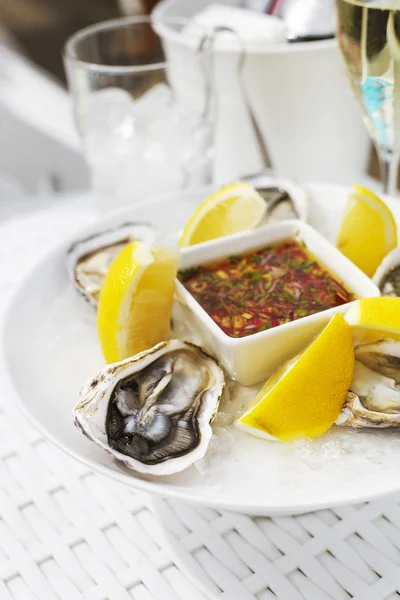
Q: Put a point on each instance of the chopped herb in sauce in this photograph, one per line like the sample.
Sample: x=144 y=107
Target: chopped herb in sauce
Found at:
x=249 y=293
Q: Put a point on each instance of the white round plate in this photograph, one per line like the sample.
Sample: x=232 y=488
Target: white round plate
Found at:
x=50 y=349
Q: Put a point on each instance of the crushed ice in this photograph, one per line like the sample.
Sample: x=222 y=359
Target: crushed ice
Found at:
x=340 y=450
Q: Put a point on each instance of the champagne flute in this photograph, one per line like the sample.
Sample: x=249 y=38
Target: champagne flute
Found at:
x=369 y=39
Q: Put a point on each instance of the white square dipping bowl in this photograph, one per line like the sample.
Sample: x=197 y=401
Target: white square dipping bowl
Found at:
x=251 y=359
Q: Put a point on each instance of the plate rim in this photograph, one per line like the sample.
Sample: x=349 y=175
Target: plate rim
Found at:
x=166 y=490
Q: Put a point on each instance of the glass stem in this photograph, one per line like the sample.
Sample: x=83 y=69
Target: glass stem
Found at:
x=389 y=166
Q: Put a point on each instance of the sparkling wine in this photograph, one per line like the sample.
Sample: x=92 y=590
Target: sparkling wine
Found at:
x=369 y=39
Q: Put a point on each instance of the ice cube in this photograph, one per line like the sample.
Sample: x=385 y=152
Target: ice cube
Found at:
x=162 y=168
x=175 y=145
x=217 y=451
x=162 y=149
x=168 y=139
x=104 y=148
x=198 y=155
x=111 y=109
x=224 y=419
x=154 y=103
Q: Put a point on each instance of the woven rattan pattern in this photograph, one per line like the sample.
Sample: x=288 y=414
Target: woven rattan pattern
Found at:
x=67 y=533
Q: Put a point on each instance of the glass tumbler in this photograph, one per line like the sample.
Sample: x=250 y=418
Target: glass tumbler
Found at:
x=144 y=129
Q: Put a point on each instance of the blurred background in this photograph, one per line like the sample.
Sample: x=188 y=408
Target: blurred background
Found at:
x=40 y=150
x=40 y=28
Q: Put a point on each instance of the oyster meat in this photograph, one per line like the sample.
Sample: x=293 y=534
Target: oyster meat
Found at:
x=88 y=259
x=387 y=275
x=374 y=398
x=154 y=411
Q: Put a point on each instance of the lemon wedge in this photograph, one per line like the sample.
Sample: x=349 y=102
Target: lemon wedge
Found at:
x=232 y=209
x=375 y=318
x=368 y=231
x=136 y=299
x=305 y=396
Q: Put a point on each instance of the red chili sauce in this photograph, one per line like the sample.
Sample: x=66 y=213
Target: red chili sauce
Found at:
x=249 y=293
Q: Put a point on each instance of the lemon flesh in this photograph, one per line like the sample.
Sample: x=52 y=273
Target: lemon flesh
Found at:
x=136 y=300
x=368 y=231
x=375 y=318
x=232 y=209
x=305 y=396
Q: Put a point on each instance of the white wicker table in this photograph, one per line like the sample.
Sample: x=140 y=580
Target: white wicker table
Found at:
x=67 y=533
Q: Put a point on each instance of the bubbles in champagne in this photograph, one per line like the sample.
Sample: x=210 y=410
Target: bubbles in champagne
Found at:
x=369 y=39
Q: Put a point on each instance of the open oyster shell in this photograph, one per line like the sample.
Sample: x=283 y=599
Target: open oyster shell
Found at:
x=282 y=205
x=284 y=199
x=374 y=399
x=153 y=411
x=387 y=275
x=88 y=259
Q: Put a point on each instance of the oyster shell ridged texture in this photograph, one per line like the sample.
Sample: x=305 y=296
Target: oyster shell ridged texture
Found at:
x=387 y=275
x=88 y=259
x=282 y=204
x=390 y=285
x=374 y=398
x=154 y=411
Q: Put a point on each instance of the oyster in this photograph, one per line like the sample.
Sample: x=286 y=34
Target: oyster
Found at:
x=374 y=399
x=280 y=205
x=387 y=275
x=88 y=259
x=284 y=199
x=153 y=411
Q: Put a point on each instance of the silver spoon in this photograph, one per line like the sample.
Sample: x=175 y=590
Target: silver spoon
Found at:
x=306 y=20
